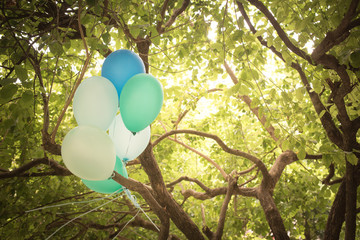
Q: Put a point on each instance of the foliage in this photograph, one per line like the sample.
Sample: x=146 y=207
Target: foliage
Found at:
x=258 y=134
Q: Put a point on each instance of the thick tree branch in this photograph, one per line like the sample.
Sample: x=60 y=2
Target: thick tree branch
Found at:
x=221 y=222
x=147 y=193
x=332 y=131
x=175 y=14
x=253 y=30
x=159 y=27
x=278 y=167
x=259 y=5
x=176 y=213
x=336 y=216
x=351 y=199
x=20 y=172
x=338 y=35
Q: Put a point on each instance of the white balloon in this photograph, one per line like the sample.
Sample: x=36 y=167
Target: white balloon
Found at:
x=128 y=146
x=95 y=102
x=89 y=153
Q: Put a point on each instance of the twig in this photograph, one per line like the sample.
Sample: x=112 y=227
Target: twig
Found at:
x=78 y=81
x=223 y=173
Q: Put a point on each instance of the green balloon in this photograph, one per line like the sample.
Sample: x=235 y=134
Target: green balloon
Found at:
x=108 y=185
x=140 y=101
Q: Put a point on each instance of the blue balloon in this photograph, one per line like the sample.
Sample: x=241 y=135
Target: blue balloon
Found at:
x=120 y=66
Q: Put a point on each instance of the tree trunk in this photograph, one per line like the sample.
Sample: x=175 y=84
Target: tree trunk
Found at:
x=176 y=213
x=350 y=216
x=272 y=214
x=337 y=214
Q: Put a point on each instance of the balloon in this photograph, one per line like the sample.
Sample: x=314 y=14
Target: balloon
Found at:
x=108 y=185
x=140 y=101
x=89 y=153
x=127 y=145
x=95 y=102
x=120 y=66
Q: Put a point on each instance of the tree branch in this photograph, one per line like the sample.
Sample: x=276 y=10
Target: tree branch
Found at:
x=259 y=5
x=338 y=35
x=176 y=213
x=221 y=222
x=147 y=193
x=78 y=81
x=162 y=14
x=236 y=152
x=175 y=14
x=20 y=172
x=217 y=166
x=279 y=165
x=332 y=131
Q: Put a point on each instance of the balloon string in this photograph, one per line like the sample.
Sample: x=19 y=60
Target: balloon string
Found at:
x=64 y=204
x=127 y=224
x=83 y=215
x=133 y=200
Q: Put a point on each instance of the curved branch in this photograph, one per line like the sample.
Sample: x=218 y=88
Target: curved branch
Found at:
x=78 y=81
x=221 y=222
x=162 y=195
x=283 y=36
x=280 y=163
x=147 y=193
x=236 y=152
x=338 y=35
x=255 y=110
x=223 y=173
x=173 y=17
x=162 y=14
x=332 y=131
x=20 y=172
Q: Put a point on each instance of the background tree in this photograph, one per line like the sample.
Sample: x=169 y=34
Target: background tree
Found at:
x=258 y=135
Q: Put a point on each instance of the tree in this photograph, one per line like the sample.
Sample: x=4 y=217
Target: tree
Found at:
x=258 y=135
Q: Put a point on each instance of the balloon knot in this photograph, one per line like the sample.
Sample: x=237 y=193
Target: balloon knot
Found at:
x=134 y=133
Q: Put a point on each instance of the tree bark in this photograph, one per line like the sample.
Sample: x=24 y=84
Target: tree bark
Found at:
x=337 y=214
x=176 y=213
x=272 y=214
x=350 y=216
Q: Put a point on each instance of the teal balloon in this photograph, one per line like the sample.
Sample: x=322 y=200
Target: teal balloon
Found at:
x=95 y=102
x=108 y=186
x=140 y=101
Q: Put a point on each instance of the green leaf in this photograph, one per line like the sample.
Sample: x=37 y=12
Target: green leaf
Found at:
x=135 y=31
x=302 y=153
x=355 y=59
x=28 y=97
x=7 y=92
x=351 y=158
x=322 y=113
x=56 y=48
x=260 y=33
x=287 y=57
x=6 y=81
x=21 y=73
x=106 y=37
x=299 y=94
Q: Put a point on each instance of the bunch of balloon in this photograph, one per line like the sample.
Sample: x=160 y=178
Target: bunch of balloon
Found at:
x=91 y=153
